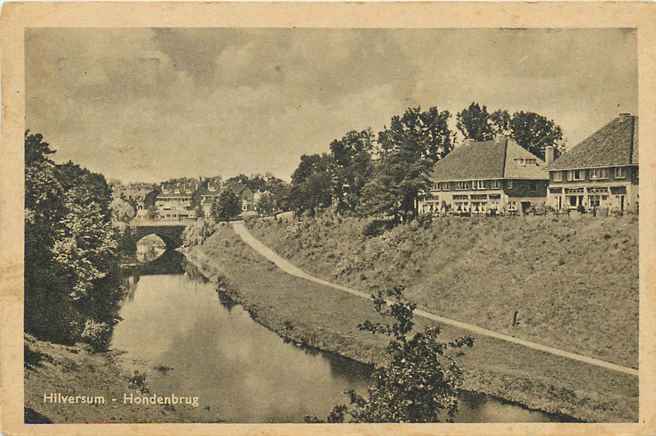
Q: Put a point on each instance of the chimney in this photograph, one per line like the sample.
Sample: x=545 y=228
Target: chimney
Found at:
x=548 y=154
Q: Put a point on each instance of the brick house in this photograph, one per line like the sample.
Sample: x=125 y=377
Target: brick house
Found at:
x=601 y=172
x=489 y=176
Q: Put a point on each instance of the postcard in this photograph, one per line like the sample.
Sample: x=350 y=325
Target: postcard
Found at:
x=341 y=218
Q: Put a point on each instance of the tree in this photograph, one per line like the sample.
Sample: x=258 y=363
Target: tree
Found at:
x=280 y=191
x=421 y=378
x=408 y=150
x=71 y=264
x=380 y=196
x=531 y=130
x=351 y=168
x=265 y=205
x=500 y=120
x=474 y=123
x=311 y=184
x=48 y=312
x=534 y=132
x=227 y=206
x=123 y=210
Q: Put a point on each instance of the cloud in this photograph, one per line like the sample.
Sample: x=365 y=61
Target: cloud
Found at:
x=147 y=104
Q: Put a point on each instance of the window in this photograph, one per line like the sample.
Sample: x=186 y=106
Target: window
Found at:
x=509 y=184
x=599 y=173
x=593 y=200
x=577 y=174
x=557 y=176
x=533 y=186
x=620 y=173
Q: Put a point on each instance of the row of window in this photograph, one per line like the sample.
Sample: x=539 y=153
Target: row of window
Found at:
x=473 y=185
x=592 y=174
x=470 y=185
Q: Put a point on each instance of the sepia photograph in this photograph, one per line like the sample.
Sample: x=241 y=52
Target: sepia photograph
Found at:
x=331 y=225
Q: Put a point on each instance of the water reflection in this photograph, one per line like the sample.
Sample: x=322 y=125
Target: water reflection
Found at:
x=241 y=371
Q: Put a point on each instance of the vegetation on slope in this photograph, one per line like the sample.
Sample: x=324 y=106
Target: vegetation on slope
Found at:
x=573 y=283
x=72 y=283
x=324 y=318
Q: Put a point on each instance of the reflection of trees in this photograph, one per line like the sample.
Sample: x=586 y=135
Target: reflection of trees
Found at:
x=130 y=282
x=171 y=262
x=193 y=273
x=148 y=253
x=348 y=369
x=225 y=300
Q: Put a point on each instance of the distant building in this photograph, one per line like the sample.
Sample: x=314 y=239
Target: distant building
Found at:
x=599 y=172
x=175 y=206
x=479 y=177
x=135 y=194
x=209 y=192
x=246 y=196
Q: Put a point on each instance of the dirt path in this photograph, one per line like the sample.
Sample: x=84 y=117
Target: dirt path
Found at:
x=291 y=269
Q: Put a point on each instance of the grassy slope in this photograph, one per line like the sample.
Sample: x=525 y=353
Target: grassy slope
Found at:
x=73 y=370
x=574 y=282
x=327 y=319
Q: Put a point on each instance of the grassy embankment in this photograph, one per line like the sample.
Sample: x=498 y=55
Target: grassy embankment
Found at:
x=327 y=319
x=573 y=282
x=75 y=370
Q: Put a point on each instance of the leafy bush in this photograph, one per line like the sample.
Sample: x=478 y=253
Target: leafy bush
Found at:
x=375 y=227
x=421 y=379
x=198 y=232
x=97 y=334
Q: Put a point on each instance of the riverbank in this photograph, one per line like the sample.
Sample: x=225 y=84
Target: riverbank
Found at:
x=72 y=370
x=326 y=319
x=558 y=275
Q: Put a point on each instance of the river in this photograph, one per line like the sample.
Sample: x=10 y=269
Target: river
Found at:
x=194 y=344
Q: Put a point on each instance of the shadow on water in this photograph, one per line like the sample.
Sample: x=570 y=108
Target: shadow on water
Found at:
x=170 y=262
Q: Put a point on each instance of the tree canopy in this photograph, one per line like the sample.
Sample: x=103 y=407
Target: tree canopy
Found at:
x=311 y=184
x=227 y=206
x=408 y=149
x=474 y=123
x=350 y=167
x=531 y=130
x=71 y=275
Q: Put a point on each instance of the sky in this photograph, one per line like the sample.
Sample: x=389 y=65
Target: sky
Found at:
x=156 y=103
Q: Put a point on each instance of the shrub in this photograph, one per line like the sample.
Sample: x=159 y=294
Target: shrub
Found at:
x=425 y=220
x=97 y=334
x=375 y=227
x=421 y=378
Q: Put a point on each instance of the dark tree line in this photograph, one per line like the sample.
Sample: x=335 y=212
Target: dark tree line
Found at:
x=532 y=131
x=385 y=175
x=72 y=280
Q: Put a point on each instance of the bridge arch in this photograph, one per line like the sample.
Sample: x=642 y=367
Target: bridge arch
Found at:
x=170 y=233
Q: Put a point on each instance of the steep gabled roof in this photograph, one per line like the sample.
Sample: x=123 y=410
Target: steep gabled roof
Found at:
x=495 y=159
x=614 y=144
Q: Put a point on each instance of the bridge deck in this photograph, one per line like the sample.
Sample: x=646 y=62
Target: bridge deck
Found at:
x=160 y=223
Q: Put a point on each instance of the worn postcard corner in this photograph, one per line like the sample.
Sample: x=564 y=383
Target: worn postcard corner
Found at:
x=275 y=218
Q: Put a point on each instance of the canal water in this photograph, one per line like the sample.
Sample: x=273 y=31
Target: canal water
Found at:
x=175 y=324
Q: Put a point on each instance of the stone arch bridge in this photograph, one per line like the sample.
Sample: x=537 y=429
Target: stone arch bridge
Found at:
x=168 y=231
